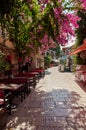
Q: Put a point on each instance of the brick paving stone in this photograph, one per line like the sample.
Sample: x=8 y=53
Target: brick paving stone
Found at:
x=78 y=123
x=57 y=103
x=46 y=128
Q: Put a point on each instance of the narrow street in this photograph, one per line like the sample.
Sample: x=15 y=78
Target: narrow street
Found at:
x=57 y=103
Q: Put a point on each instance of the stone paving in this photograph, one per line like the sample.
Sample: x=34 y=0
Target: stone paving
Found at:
x=57 y=103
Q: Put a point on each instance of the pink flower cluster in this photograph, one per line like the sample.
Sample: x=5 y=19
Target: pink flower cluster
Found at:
x=83 y=4
x=46 y=43
x=43 y=2
x=57 y=12
x=67 y=24
x=44 y=39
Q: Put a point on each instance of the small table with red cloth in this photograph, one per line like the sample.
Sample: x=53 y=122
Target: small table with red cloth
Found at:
x=31 y=78
x=41 y=71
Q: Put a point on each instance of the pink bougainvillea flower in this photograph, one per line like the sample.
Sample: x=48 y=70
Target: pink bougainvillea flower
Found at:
x=83 y=4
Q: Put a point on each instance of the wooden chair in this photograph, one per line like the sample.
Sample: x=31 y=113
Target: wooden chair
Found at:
x=5 y=101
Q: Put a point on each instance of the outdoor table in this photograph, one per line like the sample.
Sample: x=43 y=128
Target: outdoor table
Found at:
x=17 y=80
x=15 y=89
x=40 y=71
x=30 y=78
x=33 y=74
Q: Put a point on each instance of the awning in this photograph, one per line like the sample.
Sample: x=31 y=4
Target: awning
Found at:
x=79 y=49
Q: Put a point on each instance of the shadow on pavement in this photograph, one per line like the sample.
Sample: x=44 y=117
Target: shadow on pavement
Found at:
x=54 y=110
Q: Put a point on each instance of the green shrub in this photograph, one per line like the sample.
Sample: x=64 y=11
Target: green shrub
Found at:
x=4 y=65
x=47 y=61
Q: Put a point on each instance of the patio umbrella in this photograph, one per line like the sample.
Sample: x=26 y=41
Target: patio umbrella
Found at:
x=79 y=49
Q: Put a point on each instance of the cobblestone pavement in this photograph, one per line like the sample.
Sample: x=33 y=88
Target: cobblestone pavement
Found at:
x=57 y=103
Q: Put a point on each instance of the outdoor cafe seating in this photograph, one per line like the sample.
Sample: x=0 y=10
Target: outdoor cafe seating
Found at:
x=80 y=74
x=5 y=102
x=31 y=79
x=41 y=72
x=17 y=86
